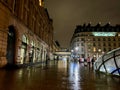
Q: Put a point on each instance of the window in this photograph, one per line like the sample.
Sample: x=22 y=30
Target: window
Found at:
x=114 y=39
x=104 y=39
x=99 y=44
x=77 y=40
x=109 y=49
x=82 y=44
x=24 y=39
x=82 y=49
x=82 y=39
x=118 y=39
x=119 y=44
x=104 y=49
x=114 y=44
x=94 y=44
x=109 y=44
x=93 y=39
x=104 y=44
x=109 y=39
x=98 y=39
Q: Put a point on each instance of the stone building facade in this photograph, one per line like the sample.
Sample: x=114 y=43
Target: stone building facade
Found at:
x=93 y=41
x=26 y=32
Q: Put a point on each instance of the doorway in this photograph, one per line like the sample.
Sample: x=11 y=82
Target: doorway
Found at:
x=11 y=45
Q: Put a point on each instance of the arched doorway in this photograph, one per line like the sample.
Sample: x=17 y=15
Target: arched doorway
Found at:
x=11 y=45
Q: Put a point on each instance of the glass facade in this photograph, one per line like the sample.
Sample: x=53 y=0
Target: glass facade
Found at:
x=109 y=62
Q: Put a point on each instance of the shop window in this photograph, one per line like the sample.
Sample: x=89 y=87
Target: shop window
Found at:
x=24 y=39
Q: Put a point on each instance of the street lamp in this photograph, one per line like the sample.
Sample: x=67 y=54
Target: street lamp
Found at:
x=76 y=48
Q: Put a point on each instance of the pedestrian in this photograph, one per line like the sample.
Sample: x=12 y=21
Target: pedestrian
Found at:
x=85 y=62
x=47 y=59
x=88 y=61
x=92 y=60
x=80 y=60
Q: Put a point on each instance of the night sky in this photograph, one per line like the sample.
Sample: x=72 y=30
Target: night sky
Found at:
x=66 y=14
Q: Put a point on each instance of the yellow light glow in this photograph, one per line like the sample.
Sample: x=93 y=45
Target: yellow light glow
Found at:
x=41 y=3
x=94 y=49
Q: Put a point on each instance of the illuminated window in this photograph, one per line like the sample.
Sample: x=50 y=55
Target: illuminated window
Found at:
x=41 y=3
x=24 y=39
x=119 y=34
x=104 y=33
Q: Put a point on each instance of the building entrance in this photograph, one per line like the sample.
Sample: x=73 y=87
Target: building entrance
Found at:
x=11 y=45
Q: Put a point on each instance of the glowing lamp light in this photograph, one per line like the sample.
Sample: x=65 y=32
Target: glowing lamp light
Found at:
x=104 y=33
x=71 y=50
x=76 y=48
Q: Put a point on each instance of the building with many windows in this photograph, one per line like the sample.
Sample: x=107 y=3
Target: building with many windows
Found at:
x=93 y=41
x=26 y=32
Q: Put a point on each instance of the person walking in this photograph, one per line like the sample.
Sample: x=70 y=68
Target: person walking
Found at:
x=92 y=60
x=88 y=61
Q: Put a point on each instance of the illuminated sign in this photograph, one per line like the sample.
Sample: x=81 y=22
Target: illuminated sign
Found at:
x=104 y=33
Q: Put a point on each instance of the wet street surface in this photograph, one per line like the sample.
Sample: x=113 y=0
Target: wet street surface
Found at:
x=57 y=76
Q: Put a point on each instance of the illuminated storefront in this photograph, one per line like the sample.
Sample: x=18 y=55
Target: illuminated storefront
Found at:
x=23 y=49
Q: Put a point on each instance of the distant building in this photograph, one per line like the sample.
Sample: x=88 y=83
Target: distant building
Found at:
x=26 y=32
x=93 y=41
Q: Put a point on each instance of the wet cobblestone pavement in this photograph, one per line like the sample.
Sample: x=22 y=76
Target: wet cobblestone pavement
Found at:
x=57 y=76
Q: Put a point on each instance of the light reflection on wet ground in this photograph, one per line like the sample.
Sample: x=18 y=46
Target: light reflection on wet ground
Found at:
x=57 y=76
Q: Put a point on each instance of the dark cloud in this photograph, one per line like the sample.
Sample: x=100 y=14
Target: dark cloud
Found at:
x=66 y=14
